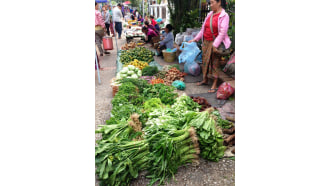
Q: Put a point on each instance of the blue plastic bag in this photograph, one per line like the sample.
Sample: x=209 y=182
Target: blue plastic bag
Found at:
x=199 y=58
x=189 y=52
x=179 y=85
x=192 y=68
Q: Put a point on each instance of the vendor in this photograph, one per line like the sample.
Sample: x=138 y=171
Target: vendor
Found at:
x=153 y=22
x=214 y=36
x=140 y=19
x=166 y=40
x=148 y=25
x=149 y=34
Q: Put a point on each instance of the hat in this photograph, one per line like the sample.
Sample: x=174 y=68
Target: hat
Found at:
x=159 y=20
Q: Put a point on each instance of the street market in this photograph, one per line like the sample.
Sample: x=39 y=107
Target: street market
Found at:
x=164 y=94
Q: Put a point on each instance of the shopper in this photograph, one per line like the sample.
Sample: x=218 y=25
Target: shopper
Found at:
x=214 y=36
x=166 y=40
x=106 y=18
x=149 y=34
x=99 y=29
x=117 y=17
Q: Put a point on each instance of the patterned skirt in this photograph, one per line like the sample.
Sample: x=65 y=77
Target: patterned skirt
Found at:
x=211 y=66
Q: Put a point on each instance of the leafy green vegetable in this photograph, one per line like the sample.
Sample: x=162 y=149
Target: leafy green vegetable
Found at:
x=224 y=124
x=149 y=71
x=168 y=151
x=165 y=93
x=211 y=141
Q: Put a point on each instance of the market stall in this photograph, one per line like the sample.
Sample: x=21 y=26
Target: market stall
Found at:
x=153 y=128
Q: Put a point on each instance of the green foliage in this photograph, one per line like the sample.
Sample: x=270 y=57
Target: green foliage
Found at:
x=149 y=71
x=189 y=20
x=224 y=124
x=211 y=142
x=180 y=10
x=231 y=12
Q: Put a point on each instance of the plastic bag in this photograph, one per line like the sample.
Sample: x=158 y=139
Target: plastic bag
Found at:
x=192 y=68
x=194 y=34
x=225 y=91
x=178 y=39
x=189 y=52
x=154 y=63
x=199 y=58
x=187 y=38
x=179 y=85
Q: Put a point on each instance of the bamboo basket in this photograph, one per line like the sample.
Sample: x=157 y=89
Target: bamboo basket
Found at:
x=169 y=56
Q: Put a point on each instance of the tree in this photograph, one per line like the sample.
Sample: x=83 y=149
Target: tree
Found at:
x=183 y=14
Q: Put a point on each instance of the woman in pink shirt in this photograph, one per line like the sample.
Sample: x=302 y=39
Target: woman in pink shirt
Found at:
x=214 y=36
x=149 y=34
x=99 y=29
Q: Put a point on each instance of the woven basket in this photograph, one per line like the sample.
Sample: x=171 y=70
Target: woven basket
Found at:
x=169 y=56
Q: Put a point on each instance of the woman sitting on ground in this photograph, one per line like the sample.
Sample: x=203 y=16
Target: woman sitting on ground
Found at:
x=167 y=39
x=148 y=25
x=149 y=34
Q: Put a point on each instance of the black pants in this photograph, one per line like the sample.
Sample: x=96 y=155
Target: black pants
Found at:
x=107 y=25
x=118 y=27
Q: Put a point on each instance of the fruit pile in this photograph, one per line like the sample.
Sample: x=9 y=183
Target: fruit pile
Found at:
x=139 y=64
x=139 y=53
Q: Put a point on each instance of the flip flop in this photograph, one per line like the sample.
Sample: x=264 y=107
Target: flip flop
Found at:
x=201 y=83
x=212 y=90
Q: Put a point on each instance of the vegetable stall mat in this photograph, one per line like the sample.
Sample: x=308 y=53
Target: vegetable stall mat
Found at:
x=211 y=98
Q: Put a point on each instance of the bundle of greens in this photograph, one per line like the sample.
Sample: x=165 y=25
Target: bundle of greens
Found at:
x=169 y=149
x=161 y=91
x=118 y=158
x=149 y=71
x=118 y=163
x=184 y=104
x=210 y=140
x=224 y=124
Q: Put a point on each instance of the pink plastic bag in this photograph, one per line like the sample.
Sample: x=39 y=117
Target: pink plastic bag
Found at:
x=225 y=90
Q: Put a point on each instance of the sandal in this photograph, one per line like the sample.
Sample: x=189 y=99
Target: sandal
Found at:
x=212 y=90
x=201 y=83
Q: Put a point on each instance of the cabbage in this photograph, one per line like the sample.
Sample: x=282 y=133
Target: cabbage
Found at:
x=118 y=76
x=131 y=67
x=125 y=69
x=130 y=72
x=139 y=73
x=135 y=76
x=123 y=75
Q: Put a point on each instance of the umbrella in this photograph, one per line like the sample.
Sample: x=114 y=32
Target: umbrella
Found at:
x=127 y=2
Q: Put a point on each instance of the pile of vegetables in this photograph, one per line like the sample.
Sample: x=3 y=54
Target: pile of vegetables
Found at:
x=139 y=53
x=172 y=75
x=153 y=129
x=209 y=137
x=202 y=102
x=139 y=64
x=129 y=72
x=157 y=81
x=149 y=71
x=131 y=45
